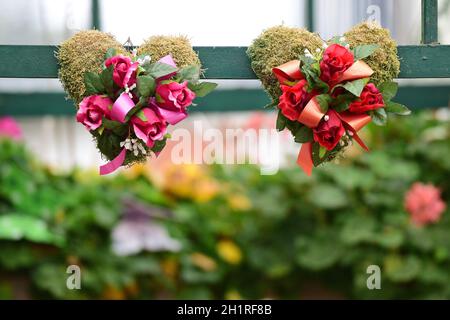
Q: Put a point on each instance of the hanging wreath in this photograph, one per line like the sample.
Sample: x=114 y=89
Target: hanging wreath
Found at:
x=128 y=99
x=327 y=91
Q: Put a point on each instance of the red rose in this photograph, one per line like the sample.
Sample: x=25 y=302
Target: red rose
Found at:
x=329 y=132
x=370 y=99
x=293 y=99
x=124 y=73
x=336 y=60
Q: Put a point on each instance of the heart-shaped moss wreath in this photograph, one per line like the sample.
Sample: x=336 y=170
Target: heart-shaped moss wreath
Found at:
x=127 y=99
x=327 y=91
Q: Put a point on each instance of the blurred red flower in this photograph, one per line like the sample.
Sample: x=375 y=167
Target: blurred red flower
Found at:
x=424 y=203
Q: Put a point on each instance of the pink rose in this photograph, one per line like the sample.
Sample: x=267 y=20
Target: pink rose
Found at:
x=124 y=70
x=424 y=204
x=92 y=109
x=150 y=130
x=10 y=128
x=174 y=96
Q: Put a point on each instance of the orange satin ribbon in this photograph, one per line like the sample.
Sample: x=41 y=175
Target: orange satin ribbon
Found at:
x=312 y=114
x=289 y=71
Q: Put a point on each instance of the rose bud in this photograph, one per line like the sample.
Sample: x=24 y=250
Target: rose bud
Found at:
x=329 y=132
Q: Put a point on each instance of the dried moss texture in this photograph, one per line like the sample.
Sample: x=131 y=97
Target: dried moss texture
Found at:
x=178 y=46
x=81 y=53
x=383 y=61
x=276 y=46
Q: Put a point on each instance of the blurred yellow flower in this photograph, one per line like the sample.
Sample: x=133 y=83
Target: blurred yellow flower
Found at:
x=136 y=170
x=203 y=261
x=239 y=202
x=205 y=190
x=113 y=293
x=169 y=267
x=233 y=295
x=229 y=252
x=190 y=181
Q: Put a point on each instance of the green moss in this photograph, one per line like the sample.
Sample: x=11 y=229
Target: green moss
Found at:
x=276 y=46
x=178 y=46
x=83 y=52
x=383 y=61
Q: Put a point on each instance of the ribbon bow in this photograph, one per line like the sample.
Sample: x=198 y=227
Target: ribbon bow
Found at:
x=120 y=109
x=312 y=114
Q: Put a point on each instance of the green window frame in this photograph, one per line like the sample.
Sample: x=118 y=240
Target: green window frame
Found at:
x=427 y=60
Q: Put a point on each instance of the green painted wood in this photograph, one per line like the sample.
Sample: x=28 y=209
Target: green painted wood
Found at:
x=429 y=21
x=309 y=17
x=95 y=13
x=39 y=104
x=20 y=61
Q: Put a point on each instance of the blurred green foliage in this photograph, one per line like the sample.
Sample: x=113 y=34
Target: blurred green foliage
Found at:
x=279 y=236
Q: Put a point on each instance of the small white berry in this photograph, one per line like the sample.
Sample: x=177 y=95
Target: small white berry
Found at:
x=350 y=133
x=326 y=117
x=342 y=39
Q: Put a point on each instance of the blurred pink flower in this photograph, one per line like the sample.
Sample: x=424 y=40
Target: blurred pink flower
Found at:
x=424 y=203
x=10 y=128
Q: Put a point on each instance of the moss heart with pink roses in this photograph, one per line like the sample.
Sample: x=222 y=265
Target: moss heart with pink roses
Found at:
x=128 y=99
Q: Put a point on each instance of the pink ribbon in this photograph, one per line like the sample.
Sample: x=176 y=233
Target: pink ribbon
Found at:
x=121 y=107
x=124 y=104
x=113 y=164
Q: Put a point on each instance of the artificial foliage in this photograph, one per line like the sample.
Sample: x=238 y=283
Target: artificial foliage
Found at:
x=242 y=235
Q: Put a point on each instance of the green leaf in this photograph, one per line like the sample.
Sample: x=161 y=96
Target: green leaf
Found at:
x=115 y=126
x=159 y=145
x=111 y=52
x=141 y=115
x=397 y=108
x=146 y=86
x=272 y=104
x=191 y=73
x=363 y=51
x=304 y=134
x=317 y=154
x=158 y=70
x=388 y=89
x=281 y=121
x=93 y=83
x=201 y=89
x=107 y=79
x=379 y=117
x=328 y=196
x=322 y=151
x=18 y=226
x=342 y=106
x=324 y=100
x=355 y=87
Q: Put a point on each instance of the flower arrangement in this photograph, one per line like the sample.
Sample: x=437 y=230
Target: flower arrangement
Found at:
x=128 y=103
x=327 y=94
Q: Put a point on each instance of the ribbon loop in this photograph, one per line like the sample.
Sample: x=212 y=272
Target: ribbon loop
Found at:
x=289 y=71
